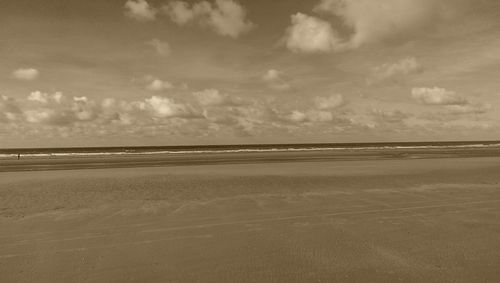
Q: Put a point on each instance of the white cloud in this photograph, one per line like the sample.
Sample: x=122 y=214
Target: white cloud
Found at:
x=28 y=74
x=471 y=108
x=212 y=97
x=309 y=34
x=391 y=117
x=41 y=97
x=375 y=21
x=320 y=116
x=39 y=115
x=164 y=107
x=272 y=75
x=309 y=116
x=53 y=114
x=225 y=17
x=365 y=22
x=159 y=85
x=330 y=102
x=322 y=112
x=55 y=109
x=59 y=110
x=162 y=48
x=453 y=103
x=297 y=116
x=180 y=12
x=437 y=96
x=274 y=79
x=9 y=110
x=228 y=18
x=395 y=71
x=140 y=10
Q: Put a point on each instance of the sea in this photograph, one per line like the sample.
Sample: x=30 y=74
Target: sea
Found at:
x=237 y=148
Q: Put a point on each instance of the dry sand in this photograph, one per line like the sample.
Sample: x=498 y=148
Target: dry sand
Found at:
x=402 y=220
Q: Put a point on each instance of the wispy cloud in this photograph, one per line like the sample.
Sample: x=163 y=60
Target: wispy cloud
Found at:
x=140 y=10
x=330 y=102
x=213 y=97
x=396 y=71
x=159 y=85
x=225 y=17
x=453 y=103
x=437 y=96
x=27 y=74
x=275 y=80
x=365 y=22
x=161 y=48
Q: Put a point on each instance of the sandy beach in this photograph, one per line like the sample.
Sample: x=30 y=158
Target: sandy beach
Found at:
x=393 y=219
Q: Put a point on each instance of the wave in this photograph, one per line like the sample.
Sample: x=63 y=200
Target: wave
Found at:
x=128 y=152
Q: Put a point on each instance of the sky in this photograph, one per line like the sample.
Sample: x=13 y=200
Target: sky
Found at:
x=161 y=72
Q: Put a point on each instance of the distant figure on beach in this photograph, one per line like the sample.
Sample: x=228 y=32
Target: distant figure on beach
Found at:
x=18 y=156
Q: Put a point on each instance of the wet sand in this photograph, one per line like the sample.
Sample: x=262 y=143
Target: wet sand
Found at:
x=396 y=219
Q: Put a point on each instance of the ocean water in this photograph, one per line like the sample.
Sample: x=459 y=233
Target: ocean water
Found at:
x=152 y=150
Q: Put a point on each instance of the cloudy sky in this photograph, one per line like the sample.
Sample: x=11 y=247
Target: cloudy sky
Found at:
x=161 y=72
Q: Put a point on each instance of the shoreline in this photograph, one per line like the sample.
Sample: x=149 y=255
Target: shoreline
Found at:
x=186 y=159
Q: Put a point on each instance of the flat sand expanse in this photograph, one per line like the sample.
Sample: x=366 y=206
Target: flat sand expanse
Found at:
x=401 y=220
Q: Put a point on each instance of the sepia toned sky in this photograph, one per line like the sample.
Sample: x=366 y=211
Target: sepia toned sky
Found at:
x=161 y=72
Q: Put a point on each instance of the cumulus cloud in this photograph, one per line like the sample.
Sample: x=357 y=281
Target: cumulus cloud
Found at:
x=309 y=34
x=225 y=17
x=275 y=80
x=210 y=113
x=207 y=112
x=55 y=109
x=58 y=110
x=395 y=71
x=28 y=74
x=366 y=22
x=330 y=102
x=452 y=103
x=161 y=48
x=164 y=107
x=437 y=96
x=140 y=10
x=44 y=98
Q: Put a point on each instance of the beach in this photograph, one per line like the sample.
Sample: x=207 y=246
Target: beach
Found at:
x=402 y=216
